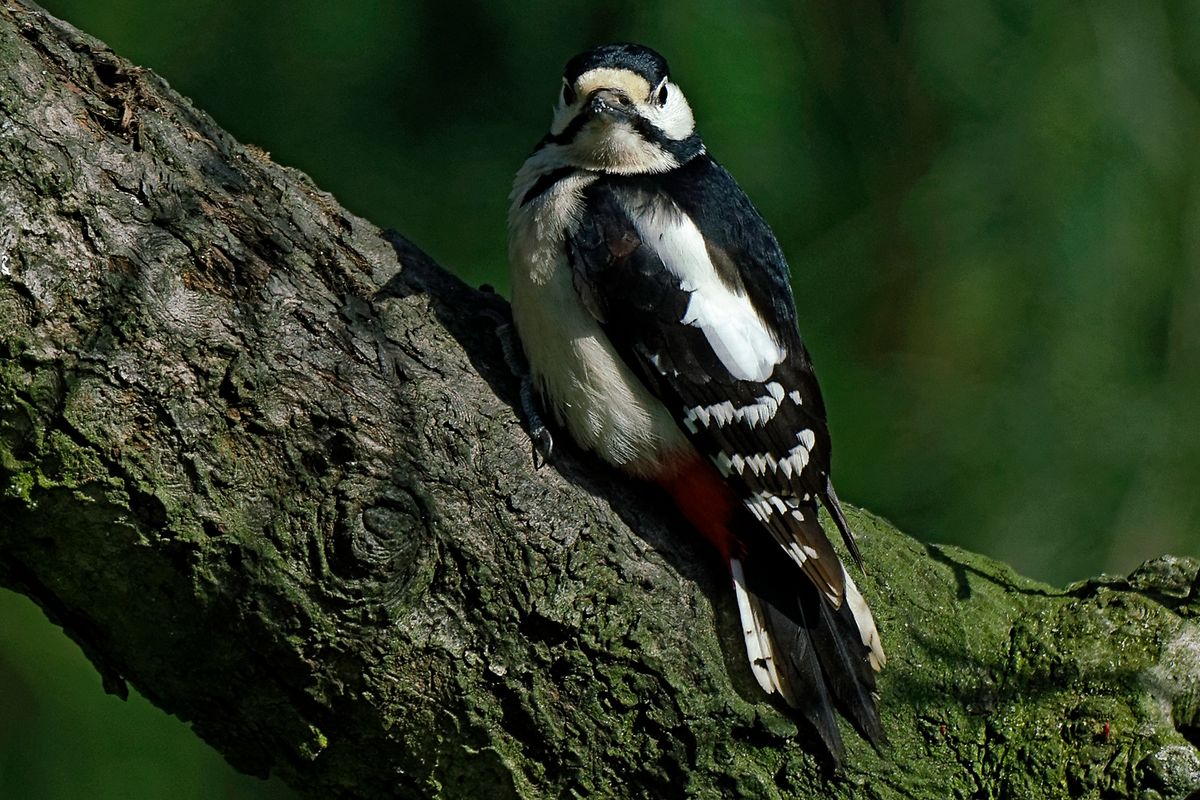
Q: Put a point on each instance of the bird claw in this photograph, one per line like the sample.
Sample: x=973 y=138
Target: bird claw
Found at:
x=543 y=446
x=543 y=441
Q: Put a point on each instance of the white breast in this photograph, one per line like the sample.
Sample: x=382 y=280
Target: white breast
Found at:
x=592 y=392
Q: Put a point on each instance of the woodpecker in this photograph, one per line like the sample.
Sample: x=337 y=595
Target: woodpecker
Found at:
x=655 y=309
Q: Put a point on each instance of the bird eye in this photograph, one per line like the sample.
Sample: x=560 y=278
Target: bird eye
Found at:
x=662 y=94
x=568 y=94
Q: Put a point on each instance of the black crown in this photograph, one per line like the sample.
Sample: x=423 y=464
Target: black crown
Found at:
x=622 y=55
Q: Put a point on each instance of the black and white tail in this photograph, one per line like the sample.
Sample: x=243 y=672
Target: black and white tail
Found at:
x=818 y=657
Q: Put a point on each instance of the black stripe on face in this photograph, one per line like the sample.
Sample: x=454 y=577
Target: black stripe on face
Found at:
x=568 y=133
x=682 y=149
x=543 y=184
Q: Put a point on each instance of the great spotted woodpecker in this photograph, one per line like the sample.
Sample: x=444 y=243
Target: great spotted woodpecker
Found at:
x=655 y=308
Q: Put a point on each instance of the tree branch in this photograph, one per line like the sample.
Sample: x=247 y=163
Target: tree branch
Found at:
x=260 y=460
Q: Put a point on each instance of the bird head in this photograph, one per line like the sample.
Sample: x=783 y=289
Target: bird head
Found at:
x=619 y=112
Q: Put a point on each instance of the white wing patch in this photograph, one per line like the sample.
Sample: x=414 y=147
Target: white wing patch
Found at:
x=737 y=334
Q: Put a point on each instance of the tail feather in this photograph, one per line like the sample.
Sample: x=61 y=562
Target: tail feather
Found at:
x=784 y=661
x=847 y=667
x=754 y=629
x=802 y=685
x=815 y=656
x=865 y=621
x=809 y=634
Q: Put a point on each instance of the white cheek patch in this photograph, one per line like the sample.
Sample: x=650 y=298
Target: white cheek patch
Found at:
x=674 y=118
x=733 y=328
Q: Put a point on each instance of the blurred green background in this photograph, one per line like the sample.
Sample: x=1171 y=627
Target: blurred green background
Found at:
x=992 y=209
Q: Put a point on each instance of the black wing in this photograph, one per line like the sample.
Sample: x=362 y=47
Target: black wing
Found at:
x=768 y=436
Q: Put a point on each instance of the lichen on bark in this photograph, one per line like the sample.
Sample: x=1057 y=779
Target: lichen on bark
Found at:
x=260 y=460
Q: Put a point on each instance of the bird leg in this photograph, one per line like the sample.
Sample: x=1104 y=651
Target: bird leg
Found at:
x=543 y=441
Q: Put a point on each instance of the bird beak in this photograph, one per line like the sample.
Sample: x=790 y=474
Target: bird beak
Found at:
x=610 y=103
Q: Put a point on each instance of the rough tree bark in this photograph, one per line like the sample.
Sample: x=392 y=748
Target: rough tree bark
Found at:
x=260 y=461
